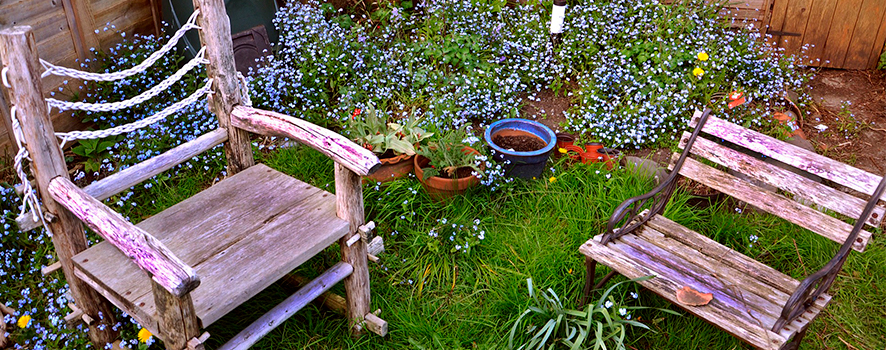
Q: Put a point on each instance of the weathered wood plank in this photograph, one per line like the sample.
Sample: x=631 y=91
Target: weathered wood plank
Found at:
x=746 y=305
x=777 y=19
x=349 y=207
x=666 y=284
x=80 y=21
x=796 y=19
x=777 y=204
x=820 y=14
x=840 y=34
x=215 y=36
x=283 y=311
x=335 y=146
x=145 y=317
x=756 y=293
x=126 y=178
x=879 y=43
x=797 y=157
x=146 y=251
x=723 y=254
x=18 y=50
x=870 y=18
x=177 y=318
x=821 y=194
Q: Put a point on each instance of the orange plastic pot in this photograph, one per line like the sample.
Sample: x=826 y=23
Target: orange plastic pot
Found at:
x=440 y=188
x=391 y=169
x=564 y=139
x=592 y=147
x=575 y=152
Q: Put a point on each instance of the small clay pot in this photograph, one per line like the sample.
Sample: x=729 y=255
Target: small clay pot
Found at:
x=391 y=169
x=440 y=188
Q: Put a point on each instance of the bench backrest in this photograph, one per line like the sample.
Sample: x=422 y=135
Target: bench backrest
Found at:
x=801 y=197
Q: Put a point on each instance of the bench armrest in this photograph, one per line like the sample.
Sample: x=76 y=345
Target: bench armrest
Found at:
x=144 y=249
x=630 y=214
x=335 y=146
x=819 y=282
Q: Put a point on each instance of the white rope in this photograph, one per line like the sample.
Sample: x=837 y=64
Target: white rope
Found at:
x=5 y=79
x=29 y=196
x=147 y=95
x=244 y=90
x=74 y=73
x=169 y=110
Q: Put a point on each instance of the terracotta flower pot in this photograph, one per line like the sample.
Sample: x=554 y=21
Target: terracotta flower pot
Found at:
x=391 y=169
x=440 y=188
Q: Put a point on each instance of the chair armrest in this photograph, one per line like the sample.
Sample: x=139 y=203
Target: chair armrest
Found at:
x=631 y=213
x=819 y=282
x=145 y=250
x=335 y=146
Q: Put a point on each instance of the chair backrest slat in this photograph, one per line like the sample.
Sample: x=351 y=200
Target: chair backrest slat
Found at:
x=774 y=203
x=789 y=181
x=126 y=178
x=802 y=159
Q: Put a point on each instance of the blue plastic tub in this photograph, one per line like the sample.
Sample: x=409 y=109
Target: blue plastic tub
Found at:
x=526 y=165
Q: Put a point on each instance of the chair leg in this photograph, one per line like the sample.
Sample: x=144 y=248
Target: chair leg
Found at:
x=349 y=206
x=794 y=344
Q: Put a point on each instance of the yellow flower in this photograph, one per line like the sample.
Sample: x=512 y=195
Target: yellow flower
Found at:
x=144 y=335
x=552 y=179
x=698 y=72
x=23 y=321
x=562 y=150
x=703 y=56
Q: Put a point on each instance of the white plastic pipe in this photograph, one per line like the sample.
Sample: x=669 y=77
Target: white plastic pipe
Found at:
x=558 y=14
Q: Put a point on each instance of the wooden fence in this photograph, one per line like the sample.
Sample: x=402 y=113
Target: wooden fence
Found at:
x=65 y=31
x=846 y=34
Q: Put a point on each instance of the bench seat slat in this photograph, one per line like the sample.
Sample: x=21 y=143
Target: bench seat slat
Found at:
x=818 y=193
x=741 y=308
x=802 y=159
x=785 y=208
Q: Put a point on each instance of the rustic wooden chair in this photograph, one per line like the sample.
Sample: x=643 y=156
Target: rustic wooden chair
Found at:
x=752 y=301
x=184 y=268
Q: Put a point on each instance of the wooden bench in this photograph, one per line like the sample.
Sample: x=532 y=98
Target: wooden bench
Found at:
x=751 y=300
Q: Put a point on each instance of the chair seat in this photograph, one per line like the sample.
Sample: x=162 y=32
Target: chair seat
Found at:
x=240 y=236
x=748 y=295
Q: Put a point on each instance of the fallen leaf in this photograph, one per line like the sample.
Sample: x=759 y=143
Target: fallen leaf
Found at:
x=692 y=297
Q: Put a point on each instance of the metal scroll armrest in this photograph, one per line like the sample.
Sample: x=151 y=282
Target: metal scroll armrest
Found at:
x=811 y=288
x=630 y=214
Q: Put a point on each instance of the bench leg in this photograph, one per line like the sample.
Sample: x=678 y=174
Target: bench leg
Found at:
x=590 y=272
x=591 y=266
x=794 y=344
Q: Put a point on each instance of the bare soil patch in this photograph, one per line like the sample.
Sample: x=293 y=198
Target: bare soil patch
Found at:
x=846 y=99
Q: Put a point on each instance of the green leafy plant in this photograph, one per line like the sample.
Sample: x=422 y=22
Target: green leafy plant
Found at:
x=379 y=136
x=447 y=155
x=95 y=151
x=604 y=322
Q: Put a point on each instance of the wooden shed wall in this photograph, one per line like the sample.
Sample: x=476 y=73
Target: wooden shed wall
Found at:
x=66 y=30
x=846 y=34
